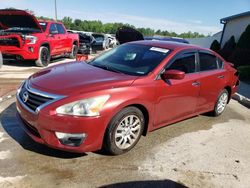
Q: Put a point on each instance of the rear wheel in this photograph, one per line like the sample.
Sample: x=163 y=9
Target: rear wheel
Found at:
x=221 y=103
x=124 y=131
x=44 y=57
x=73 y=52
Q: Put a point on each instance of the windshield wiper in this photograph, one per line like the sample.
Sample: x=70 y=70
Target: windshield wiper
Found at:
x=109 y=68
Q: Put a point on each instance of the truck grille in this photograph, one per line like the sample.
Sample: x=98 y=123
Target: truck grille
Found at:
x=9 y=42
x=34 y=100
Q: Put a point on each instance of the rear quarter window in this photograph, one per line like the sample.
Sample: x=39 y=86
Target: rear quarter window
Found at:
x=208 y=62
x=220 y=63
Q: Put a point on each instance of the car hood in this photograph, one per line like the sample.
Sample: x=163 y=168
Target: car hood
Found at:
x=77 y=77
x=17 y=18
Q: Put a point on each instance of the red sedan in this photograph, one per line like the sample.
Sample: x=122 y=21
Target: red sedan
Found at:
x=117 y=97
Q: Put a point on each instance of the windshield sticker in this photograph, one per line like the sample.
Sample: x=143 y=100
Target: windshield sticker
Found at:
x=163 y=50
x=139 y=72
x=42 y=23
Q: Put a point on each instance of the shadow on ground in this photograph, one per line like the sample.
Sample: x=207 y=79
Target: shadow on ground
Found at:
x=244 y=89
x=147 y=184
x=10 y=124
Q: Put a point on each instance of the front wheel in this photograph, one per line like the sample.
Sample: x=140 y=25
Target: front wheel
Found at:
x=221 y=103
x=44 y=57
x=73 y=52
x=124 y=131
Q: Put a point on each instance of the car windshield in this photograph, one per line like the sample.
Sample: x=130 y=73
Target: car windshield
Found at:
x=132 y=59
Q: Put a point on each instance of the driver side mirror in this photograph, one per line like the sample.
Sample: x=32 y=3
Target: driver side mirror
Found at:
x=173 y=74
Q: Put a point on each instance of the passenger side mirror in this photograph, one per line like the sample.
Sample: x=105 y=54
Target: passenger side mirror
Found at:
x=173 y=74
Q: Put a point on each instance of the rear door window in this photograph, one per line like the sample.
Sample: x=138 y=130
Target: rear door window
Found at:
x=208 y=62
x=220 y=63
x=60 y=29
x=185 y=62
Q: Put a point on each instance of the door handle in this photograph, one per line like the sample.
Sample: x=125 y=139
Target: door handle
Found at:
x=196 y=83
x=221 y=76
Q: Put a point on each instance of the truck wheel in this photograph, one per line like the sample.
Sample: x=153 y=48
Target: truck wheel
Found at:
x=73 y=52
x=44 y=57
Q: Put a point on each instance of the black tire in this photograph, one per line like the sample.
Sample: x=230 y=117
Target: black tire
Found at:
x=110 y=145
x=217 y=111
x=73 y=52
x=44 y=57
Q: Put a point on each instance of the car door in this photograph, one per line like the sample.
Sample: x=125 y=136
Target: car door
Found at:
x=177 y=99
x=212 y=80
x=54 y=39
x=65 y=42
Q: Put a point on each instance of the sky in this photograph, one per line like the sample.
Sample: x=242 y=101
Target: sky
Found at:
x=201 y=16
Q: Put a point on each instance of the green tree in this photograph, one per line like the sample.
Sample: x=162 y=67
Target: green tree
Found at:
x=67 y=21
x=228 y=48
x=215 y=46
x=244 y=40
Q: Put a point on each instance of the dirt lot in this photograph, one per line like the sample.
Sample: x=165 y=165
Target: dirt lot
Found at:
x=199 y=152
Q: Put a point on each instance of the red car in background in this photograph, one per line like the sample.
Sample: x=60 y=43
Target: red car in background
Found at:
x=22 y=37
x=126 y=92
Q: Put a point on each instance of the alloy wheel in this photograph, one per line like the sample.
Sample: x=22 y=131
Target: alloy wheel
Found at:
x=128 y=131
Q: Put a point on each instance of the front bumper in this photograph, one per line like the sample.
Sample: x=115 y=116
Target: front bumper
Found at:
x=25 y=53
x=41 y=128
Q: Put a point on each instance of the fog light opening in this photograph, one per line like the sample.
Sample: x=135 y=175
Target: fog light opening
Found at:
x=31 y=49
x=69 y=139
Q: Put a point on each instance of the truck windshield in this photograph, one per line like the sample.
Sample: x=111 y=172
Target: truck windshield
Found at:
x=132 y=59
x=43 y=25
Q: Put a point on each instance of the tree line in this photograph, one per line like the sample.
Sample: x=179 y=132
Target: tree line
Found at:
x=98 y=27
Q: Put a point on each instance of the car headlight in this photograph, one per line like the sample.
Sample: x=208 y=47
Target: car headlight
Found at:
x=86 y=107
x=30 y=39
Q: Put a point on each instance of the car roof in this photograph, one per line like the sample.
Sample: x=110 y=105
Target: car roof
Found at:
x=169 y=45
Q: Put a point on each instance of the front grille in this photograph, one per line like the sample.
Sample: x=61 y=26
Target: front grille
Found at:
x=12 y=41
x=32 y=100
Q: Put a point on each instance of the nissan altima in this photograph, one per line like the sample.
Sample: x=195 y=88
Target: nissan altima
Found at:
x=133 y=89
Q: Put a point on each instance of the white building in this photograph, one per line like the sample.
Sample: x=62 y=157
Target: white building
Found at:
x=234 y=26
x=205 y=41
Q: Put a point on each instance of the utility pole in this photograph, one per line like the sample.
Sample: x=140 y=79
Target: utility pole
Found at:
x=55 y=11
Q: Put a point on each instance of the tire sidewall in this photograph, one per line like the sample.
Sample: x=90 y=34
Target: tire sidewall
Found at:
x=73 y=51
x=39 y=62
x=110 y=136
x=216 y=113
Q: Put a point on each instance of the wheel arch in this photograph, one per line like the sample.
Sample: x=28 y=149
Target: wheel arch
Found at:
x=46 y=44
x=144 y=111
x=75 y=42
x=229 y=90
